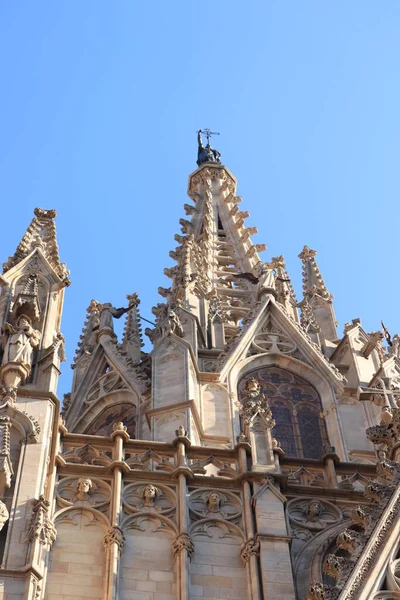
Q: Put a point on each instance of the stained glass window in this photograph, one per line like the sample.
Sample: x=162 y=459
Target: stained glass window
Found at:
x=296 y=408
x=283 y=430
x=310 y=433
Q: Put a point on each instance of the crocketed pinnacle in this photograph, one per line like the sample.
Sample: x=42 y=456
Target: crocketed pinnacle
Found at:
x=313 y=282
x=41 y=233
x=132 y=336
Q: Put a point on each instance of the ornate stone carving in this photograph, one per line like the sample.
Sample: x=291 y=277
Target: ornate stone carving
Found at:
x=320 y=591
x=119 y=426
x=376 y=492
x=4 y=515
x=149 y=495
x=19 y=342
x=359 y=516
x=249 y=549
x=41 y=527
x=183 y=542
x=314 y=514
x=149 y=498
x=333 y=566
x=222 y=504
x=6 y=469
x=347 y=540
x=114 y=536
x=84 y=488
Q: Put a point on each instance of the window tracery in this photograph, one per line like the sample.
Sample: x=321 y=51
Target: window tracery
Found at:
x=296 y=409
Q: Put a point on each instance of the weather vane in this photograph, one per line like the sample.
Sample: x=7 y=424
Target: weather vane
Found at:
x=208 y=133
x=206 y=153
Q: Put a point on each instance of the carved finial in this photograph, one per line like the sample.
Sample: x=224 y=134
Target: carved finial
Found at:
x=132 y=340
x=313 y=282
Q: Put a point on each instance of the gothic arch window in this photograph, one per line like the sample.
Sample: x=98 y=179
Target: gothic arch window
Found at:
x=296 y=409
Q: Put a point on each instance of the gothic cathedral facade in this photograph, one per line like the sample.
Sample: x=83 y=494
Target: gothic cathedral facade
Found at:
x=251 y=454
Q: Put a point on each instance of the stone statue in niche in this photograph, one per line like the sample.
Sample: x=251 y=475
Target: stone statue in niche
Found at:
x=84 y=488
x=19 y=342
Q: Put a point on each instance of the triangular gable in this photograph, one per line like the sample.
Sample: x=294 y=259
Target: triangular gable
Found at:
x=311 y=353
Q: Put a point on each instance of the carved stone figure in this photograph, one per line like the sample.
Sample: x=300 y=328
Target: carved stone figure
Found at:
x=174 y=323
x=214 y=502
x=314 y=510
x=84 y=488
x=108 y=311
x=19 y=342
x=150 y=494
x=252 y=388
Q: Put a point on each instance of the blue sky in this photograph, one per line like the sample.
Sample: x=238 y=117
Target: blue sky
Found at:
x=99 y=110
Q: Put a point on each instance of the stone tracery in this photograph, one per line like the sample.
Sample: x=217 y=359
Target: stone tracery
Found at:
x=295 y=407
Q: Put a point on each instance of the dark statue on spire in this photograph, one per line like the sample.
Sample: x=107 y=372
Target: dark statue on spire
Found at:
x=206 y=153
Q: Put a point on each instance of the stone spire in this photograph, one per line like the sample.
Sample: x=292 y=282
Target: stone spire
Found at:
x=40 y=234
x=132 y=341
x=215 y=252
x=317 y=311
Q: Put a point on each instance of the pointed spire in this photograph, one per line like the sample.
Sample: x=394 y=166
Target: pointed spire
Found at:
x=87 y=341
x=318 y=316
x=132 y=340
x=41 y=234
x=313 y=282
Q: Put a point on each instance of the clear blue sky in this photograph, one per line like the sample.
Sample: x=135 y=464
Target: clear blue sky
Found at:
x=99 y=108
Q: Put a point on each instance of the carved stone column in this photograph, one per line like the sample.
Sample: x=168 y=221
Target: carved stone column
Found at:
x=114 y=539
x=250 y=551
x=182 y=547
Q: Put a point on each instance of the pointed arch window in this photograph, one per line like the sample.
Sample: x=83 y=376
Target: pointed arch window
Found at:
x=296 y=409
